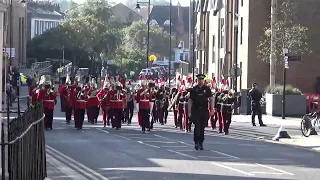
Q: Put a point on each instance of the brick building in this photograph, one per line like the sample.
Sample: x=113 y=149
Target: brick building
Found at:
x=216 y=56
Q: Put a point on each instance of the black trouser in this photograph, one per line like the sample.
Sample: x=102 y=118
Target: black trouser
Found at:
x=68 y=110
x=166 y=113
x=226 y=120
x=96 y=111
x=118 y=116
x=154 y=117
x=79 y=118
x=62 y=104
x=256 y=110
x=145 y=114
x=180 y=115
x=48 y=119
x=200 y=120
x=129 y=111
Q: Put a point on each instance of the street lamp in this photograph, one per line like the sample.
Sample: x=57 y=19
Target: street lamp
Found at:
x=148 y=21
x=170 y=46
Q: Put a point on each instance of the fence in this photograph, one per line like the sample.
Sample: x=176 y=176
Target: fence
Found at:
x=26 y=146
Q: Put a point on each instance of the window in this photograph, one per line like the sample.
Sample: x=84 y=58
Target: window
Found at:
x=41 y=27
x=36 y=27
x=222 y=41
x=241 y=30
x=213 y=48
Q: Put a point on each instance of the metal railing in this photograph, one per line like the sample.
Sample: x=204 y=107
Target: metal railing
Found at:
x=26 y=146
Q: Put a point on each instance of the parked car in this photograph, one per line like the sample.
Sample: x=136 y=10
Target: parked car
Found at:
x=146 y=72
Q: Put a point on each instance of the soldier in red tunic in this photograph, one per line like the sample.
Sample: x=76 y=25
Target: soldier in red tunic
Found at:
x=32 y=93
x=61 y=88
x=102 y=96
x=48 y=96
x=118 y=103
x=144 y=99
x=66 y=95
x=79 y=107
x=93 y=102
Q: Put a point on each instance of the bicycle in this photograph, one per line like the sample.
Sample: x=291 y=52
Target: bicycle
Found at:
x=309 y=122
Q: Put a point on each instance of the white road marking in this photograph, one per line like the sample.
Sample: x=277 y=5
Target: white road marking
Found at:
x=162 y=137
x=123 y=137
x=275 y=169
x=224 y=154
x=274 y=173
x=64 y=169
x=102 y=130
x=182 y=154
x=241 y=164
x=211 y=157
x=164 y=142
x=136 y=134
x=175 y=146
x=233 y=169
x=146 y=138
x=70 y=161
x=140 y=142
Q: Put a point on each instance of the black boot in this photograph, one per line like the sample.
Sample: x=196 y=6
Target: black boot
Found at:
x=201 y=145
x=196 y=145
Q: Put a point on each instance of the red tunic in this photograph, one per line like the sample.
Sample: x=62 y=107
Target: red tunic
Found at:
x=102 y=93
x=79 y=102
x=144 y=100
x=33 y=94
x=117 y=100
x=48 y=100
x=92 y=101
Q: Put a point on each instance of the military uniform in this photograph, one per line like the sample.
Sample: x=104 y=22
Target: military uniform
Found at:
x=130 y=103
x=226 y=100
x=144 y=104
x=104 y=103
x=80 y=105
x=199 y=111
x=118 y=103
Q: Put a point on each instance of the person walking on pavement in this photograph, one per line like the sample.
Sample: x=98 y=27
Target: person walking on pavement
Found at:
x=255 y=96
x=198 y=109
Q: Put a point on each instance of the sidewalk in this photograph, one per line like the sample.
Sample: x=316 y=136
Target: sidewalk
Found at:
x=53 y=173
x=268 y=120
x=310 y=143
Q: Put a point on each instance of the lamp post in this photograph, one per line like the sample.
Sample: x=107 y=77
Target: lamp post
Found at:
x=170 y=45
x=193 y=39
x=148 y=21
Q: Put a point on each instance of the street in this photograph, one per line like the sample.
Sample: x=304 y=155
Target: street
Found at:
x=167 y=153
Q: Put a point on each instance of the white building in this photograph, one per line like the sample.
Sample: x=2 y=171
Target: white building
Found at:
x=43 y=16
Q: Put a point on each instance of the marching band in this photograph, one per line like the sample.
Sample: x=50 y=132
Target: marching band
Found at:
x=117 y=99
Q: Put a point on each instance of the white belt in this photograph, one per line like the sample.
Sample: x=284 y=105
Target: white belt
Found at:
x=81 y=101
x=115 y=100
x=48 y=100
x=145 y=100
x=183 y=102
x=224 y=104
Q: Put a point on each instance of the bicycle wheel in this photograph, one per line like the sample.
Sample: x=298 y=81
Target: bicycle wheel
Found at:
x=306 y=127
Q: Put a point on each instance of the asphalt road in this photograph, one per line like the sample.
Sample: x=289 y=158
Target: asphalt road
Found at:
x=167 y=154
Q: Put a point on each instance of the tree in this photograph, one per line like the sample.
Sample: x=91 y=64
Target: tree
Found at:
x=135 y=38
x=288 y=35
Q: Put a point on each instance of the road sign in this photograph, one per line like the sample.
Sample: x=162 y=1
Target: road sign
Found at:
x=294 y=58
x=236 y=70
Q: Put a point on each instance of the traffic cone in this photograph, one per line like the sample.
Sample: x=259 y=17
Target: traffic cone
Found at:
x=282 y=133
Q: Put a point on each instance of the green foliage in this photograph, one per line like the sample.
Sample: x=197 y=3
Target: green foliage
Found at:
x=288 y=35
x=278 y=89
x=135 y=38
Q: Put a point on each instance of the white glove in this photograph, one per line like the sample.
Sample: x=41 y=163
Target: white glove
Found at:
x=137 y=107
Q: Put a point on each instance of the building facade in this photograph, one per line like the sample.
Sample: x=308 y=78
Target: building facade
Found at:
x=42 y=17
x=230 y=38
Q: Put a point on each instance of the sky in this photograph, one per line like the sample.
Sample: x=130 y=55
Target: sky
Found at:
x=174 y=2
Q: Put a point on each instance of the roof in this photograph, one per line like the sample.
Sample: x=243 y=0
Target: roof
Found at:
x=161 y=14
x=44 y=10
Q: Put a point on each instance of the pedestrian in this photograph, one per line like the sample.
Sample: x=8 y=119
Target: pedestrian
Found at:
x=200 y=96
x=255 y=96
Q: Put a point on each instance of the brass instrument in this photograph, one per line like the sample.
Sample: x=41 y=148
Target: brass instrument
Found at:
x=103 y=99
x=164 y=99
x=174 y=100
